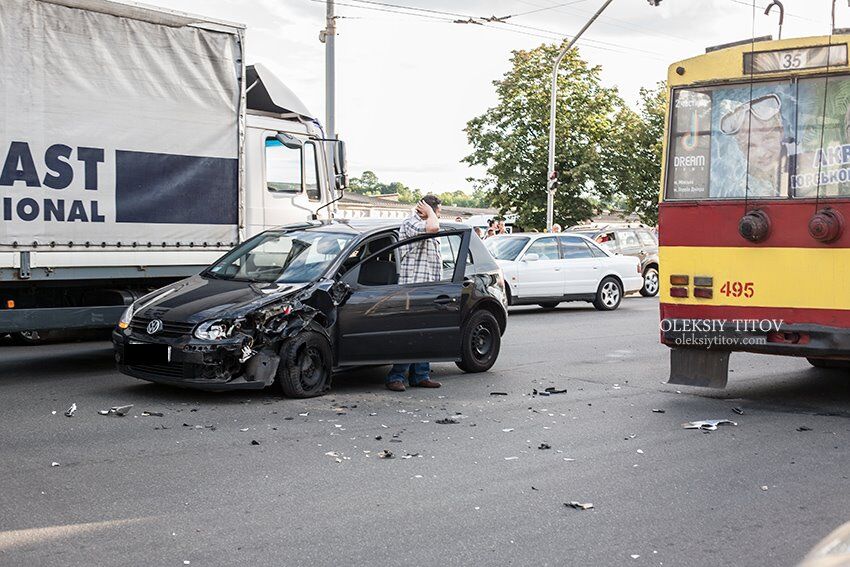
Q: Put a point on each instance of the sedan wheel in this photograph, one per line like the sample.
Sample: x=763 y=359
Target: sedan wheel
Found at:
x=481 y=340
x=609 y=295
x=305 y=365
x=650 y=283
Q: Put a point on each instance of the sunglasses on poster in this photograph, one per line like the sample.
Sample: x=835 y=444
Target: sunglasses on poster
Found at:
x=764 y=108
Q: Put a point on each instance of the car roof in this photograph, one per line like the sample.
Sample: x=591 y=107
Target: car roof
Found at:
x=539 y=234
x=360 y=226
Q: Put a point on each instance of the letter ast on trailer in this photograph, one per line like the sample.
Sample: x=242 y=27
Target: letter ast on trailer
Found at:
x=136 y=147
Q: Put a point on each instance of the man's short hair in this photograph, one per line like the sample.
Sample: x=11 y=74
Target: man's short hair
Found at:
x=432 y=200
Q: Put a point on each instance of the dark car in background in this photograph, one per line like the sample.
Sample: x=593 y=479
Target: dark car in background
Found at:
x=638 y=241
x=291 y=305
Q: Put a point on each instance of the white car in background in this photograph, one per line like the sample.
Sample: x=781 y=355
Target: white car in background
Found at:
x=546 y=269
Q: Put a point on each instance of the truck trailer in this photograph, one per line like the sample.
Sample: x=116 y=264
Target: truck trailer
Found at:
x=136 y=148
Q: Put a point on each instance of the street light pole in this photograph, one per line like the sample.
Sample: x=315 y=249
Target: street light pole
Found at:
x=552 y=176
x=329 y=36
x=551 y=179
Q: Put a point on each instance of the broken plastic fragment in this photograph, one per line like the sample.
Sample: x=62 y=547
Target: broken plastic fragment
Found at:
x=553 y=390
x=507 y=430
x=119 y=411
x=54 y=464
x=70 y=411
x=739 y=411
x=498 y=393
x=545 y=446
x=804 y=428
x=446 y=421
x=247 y=353
x=385 y=454
x=254 y=442
x=579 y=505
x=511 y=458
x=658 y=411
x=151 y=414
x=708 y=424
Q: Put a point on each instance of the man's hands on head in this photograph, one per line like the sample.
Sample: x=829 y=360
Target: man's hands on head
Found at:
x=432 y=221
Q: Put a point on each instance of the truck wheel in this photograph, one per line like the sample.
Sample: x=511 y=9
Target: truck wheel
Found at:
x=481 y=340
x=650 y=283
x=609 y=295
x=305 y=365
x=827 y=363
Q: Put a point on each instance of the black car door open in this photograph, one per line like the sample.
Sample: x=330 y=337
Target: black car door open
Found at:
x=383 y=321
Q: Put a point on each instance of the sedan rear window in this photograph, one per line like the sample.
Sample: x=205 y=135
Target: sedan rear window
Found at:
x=506 y=247
x=284 y=257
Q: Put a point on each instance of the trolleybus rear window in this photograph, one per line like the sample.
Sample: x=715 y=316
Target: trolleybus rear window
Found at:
x=769 y=139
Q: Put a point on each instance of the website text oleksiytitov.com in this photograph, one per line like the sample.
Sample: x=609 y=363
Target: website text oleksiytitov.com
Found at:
x=718 y=332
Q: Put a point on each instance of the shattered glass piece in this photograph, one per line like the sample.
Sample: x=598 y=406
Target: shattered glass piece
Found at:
x=119 y=411
x=507 y=430
x=544 y=446
x=511 y=458
x=447 y=421
x=658 y=411
x=70 y=411
x=708 y=424
x=498 y=393
x=151 y=413
x=739 y=411
x=579 y=505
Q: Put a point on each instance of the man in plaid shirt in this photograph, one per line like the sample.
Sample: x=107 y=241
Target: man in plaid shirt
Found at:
x=420 y=262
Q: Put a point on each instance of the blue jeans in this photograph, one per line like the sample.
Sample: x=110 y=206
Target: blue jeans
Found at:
x=419 y=371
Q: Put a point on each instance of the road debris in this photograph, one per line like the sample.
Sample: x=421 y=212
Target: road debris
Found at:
x=548 y=391
x=411 y=455
x=634 y=556
x=498 y=393
x=579 y=505
x=507 y=430
x=118 y=411
x=739 y=411
x=385 y=454
x=544 y=446
x=447 y=421
x=511 y=458
x=764 y=488
x=378 y=437
x=254 y=442
x=54 y=464
x=804 y=428
x=152 y=413
x=708 y=424
x=659 y=411
x=70 y=411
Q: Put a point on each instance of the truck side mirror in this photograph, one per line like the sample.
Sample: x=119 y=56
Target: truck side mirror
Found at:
x=288 y=141
x=340 y=165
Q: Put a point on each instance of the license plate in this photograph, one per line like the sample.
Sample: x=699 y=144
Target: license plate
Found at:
x=143 y=353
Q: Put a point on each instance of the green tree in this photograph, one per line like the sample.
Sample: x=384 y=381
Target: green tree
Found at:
x=633 y=156
x=366 y=184
x=511 y=139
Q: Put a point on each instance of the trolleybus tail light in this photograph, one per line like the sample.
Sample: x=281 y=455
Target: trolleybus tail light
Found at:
x=703 y=292
x=703 y=281
x=679 y=280
x=678 y=292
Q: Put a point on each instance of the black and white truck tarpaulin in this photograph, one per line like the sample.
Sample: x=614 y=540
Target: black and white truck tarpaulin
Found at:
x=130 y=133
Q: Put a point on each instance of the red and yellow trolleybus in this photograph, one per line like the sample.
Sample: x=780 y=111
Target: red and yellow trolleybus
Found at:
x=755 y=201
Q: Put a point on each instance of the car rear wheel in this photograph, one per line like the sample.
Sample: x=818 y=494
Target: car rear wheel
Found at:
x=827 y=363
x=549 y=305
x=306 y=361
x=609 y=295
x=481 y=340
x=650 y=283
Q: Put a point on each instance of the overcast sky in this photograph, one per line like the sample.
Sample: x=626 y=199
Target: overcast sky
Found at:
x=407 y=84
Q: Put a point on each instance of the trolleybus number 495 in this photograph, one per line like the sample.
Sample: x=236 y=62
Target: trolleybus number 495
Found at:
x=738 y=289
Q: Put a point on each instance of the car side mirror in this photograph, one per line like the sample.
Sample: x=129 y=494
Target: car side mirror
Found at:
x=530 y=258
x=340 y=292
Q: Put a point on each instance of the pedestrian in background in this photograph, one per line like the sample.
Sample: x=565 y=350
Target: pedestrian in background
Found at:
x=556 y=227
x=420 y=262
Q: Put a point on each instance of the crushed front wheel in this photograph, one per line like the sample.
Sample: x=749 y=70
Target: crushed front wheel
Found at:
x=306 y=361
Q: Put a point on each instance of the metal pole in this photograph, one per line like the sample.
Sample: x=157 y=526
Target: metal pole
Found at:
x=330 y=73
x=550 y=178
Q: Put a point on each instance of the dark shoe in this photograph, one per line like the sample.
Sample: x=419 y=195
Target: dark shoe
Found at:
x=396 y=386
x=427 y=384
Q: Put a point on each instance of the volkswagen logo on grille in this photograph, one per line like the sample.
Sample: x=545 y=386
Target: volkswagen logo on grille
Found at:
x=154 y=327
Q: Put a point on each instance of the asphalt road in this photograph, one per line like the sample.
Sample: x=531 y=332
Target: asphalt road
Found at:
x=191 y=486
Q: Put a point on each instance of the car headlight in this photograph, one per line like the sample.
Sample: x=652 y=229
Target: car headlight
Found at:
x=213 y=330
x=126 y=317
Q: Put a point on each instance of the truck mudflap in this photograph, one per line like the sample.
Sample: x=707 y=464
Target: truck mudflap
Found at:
x=698 y=367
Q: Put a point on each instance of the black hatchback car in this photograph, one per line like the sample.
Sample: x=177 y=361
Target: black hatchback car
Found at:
x=292 y=304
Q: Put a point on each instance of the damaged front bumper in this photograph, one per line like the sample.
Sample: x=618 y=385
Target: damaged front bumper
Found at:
x=206 y=365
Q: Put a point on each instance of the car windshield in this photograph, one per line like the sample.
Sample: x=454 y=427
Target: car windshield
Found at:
x=298 y=256
x=506 y=247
